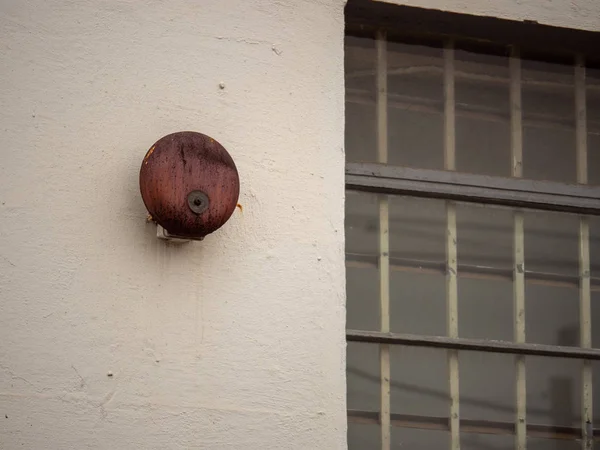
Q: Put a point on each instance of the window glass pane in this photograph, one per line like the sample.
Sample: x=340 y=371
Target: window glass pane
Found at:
x=419 y=382
x=362 y=249
x=363 y=436
x=596 y=396
x=552 y=314
x=362 y=223
x=553 y=391
x=417 y=257
x=415 y=105
x=362 y=298
x=485 y=258
x=472 y=441
x=594 y=157
x=417 y=303
x=487 y=386
x=482 y=114
x=416 y=439
x=552 y=278
x=361 y=119
x=593 y=124
x=360 y=131
x=596 y=318
x=534 y=443
x=594 y=224
x=362 y=376
x=485 y=308
x=552 y=243
x=418 y=230
x=549 y=118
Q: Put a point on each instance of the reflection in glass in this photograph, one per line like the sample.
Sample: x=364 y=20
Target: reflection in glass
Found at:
x=485 y=255
x=553 y=391
x=415 y=98
x=362 y=298
x=552 y=314
x=482 y=114
x=474 y=441
x=596 y=395
x=487 y=386
x=361 y=124
x=549 y=117
x=552 y=243
x=485 y=308
x=534 y=443
x=552 y=292
x=416 y=439
x=417 y=251
x=362 y=376
x=485 y=236
x=363 y=436
x=419 y=381
x=417 y=303
x=362 y=223
x=593 y=124
x=362 y=248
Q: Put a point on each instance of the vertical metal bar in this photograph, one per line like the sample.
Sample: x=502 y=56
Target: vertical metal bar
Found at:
x=516 y=129
x=384 y=242
x=585 y=326
x=581 y=120
x=449 y=109
x=451 y=245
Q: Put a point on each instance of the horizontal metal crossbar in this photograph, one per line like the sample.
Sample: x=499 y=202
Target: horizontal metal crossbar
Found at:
x=468 y=425
x=546 y=195
x=479 y=345
x=361 y=260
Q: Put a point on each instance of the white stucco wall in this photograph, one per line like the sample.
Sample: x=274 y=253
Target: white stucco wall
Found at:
x=235 y=342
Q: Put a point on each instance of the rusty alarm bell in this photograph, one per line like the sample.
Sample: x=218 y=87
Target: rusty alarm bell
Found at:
x=189 y=184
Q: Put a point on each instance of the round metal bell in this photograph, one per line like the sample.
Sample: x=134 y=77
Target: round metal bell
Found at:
x=189 y=184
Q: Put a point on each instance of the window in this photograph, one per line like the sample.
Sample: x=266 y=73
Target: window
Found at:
x=472 y=232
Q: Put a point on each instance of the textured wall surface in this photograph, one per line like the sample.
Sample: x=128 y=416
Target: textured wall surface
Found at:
x=235 y=342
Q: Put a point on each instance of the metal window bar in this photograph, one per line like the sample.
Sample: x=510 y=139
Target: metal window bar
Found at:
x=584 y=257
x=544 y=195
x=361 y=260
x=384 y=245
x=475 y=345
x=516 y=122
x=468 y=425
x=451 y=247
